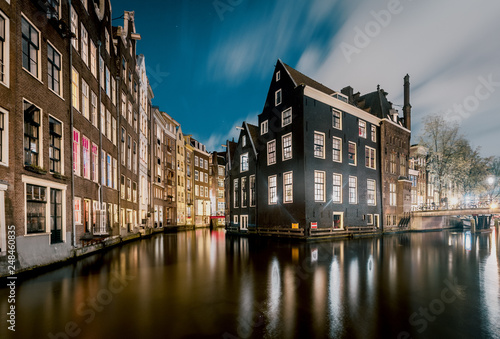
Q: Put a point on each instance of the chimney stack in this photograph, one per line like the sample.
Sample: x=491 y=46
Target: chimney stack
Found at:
x=407 y=106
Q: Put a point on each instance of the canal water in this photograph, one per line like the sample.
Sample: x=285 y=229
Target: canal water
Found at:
x=206 y=284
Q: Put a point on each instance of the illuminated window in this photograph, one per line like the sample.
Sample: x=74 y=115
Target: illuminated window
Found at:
x=319 y=186
x=272 y=193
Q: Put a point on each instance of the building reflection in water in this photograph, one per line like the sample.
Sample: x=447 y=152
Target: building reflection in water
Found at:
x=490 y=284
x=274 y=298
x=335 y=300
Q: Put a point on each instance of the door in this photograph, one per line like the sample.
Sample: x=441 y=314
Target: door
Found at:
x=55 y=216
x=244 y=223
x=376 y=221
x=338 y=220
x=86 y=215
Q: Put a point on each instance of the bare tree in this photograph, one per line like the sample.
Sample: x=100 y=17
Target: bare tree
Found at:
x=494 y=173
x=469 y=168
x=440 y=138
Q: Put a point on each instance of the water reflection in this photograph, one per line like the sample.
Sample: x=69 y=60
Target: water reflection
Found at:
x=208 y=284
x=490 y=285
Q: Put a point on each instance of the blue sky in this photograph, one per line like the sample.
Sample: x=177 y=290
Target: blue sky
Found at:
x=210 y=62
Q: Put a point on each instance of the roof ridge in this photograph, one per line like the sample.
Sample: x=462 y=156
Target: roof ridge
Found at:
x=300 y=78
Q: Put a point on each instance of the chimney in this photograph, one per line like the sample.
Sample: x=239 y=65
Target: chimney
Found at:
x=349 y=92
x=407 y=106
x=394 y=115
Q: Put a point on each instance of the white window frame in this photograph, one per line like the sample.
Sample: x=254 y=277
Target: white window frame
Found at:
x=85 y=44
x=278 y=75
x=368 y=201
x=264 y=127
x=339 y=149
x=362 y=128
x=235 y=220
x=75 y=87
x=355 y=196
x=355 y=153
x=85 y=100
x=285 y=114
x=333 y=118
x=39 y=62
x=334 y=176
x=392 y=194
x=74 y=28
x=368 y=159
x=244 y=180
x=61 y=75
x=4 y=143
x=93 y=58
x=77 y=210
x=93 y=108
x=321 y=136
x=76 y=152
x=40 y=133
x=369 y=219
x=286 y=136
x=278 y=95
x=272 y=200
x=269 y=160
x=6 y=50
x=236 y=202
x=323 y=184
x=242 y=158
x=374 y=133
x=251 y=190
x=243 y=140
x=86 y=156
x=94 y=156
x=287 y=185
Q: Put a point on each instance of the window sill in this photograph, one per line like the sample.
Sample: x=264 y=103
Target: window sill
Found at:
x=31 y=74
x=35 y=169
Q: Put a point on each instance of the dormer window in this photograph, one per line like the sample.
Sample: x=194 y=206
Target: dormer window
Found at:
x=278 y=75
x=341 y=97
x=244 y=140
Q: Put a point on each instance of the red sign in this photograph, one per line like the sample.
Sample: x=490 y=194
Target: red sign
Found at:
x=314 y=225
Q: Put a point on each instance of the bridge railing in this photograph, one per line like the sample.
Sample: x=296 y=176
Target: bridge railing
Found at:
x=446 y=207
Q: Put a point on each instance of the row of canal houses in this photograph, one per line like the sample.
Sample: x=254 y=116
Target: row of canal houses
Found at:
x=85 y=159
x=320 y=163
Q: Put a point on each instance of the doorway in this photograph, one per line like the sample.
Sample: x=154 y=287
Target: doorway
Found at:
x=244 y=223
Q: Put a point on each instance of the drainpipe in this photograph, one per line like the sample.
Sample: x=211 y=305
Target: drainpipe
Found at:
x=70 y=83
x=99 y=82
x=118 y=144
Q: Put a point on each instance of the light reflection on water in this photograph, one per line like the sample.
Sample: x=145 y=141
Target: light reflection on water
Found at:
x=205 y=283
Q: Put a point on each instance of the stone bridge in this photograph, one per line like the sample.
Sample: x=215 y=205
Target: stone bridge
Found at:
x=448 y=218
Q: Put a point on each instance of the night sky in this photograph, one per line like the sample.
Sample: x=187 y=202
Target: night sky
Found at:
x=210 y=62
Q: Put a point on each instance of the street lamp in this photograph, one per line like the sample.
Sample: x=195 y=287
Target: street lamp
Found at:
x=491 y=180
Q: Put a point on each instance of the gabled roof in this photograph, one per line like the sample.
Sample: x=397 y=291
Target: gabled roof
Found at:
x=300 y=78
x=375 y=103
x=253 y=131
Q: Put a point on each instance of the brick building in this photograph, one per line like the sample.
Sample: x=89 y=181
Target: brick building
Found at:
x=217 y=174
x=35 y=148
